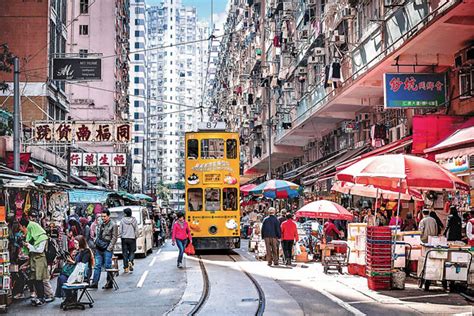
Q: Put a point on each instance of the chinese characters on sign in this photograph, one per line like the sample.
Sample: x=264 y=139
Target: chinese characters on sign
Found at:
x=64 y=131
x=414 y=90
x=98 y=159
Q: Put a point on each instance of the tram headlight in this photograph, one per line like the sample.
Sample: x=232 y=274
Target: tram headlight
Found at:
x=231 y=224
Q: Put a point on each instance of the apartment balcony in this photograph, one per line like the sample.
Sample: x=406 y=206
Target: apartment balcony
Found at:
x=411 y=34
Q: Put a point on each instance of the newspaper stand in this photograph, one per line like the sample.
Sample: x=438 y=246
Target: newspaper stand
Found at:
x=379 y=257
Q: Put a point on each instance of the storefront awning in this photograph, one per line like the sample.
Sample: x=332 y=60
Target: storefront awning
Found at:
x=329 y=170
x=88 y=196
x=310 y=165
x=461 y=138
x=389 y=148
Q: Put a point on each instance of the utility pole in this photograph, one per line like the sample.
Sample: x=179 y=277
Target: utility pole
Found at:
x=16 y=114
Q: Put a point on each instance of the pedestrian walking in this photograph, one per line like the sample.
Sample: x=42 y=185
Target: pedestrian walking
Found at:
x=282 y=216
x=245 y=220
x=271 y=233
x=289 y=235
x=36 y=244
x=470 y=229
x=104 y=243
x=129 y=234
x=180 y=236
x=453 y=230
x=428 y=226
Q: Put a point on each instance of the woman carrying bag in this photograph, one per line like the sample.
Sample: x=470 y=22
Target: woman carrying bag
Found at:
x=180 y=236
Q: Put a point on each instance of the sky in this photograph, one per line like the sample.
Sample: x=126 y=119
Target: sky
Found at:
x=204 y=9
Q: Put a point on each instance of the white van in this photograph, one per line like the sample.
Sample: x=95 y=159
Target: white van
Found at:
x=145 y=228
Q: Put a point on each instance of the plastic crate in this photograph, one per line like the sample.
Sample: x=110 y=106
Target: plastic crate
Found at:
x=362 y=270
x=379 y=282
x=353 y=269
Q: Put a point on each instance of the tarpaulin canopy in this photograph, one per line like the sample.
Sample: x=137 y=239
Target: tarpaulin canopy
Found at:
x=145 y=197
x=88 y=196
x=462 y=137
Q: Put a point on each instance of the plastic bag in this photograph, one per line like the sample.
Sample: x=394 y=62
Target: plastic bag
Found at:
x=189 y=250
x=297 y=248
x=77 y=276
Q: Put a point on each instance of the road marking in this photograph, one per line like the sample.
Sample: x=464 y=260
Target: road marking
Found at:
x=152 y=262
x=158 y=252
x=422 y=296
x=341 y=303
x=142 y=279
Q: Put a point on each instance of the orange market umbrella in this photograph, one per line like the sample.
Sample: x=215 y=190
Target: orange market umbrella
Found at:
x=324 y=209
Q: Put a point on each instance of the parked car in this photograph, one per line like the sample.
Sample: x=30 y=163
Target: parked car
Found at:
x=145 y=228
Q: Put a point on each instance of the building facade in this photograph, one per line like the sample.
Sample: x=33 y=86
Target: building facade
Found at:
x=43 y=36
x=138 y=91
x=100 y=29
x=305 y=79
x=176 y=65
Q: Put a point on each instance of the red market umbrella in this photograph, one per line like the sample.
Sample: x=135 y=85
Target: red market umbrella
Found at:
x=324 y=209
x=400 y=173
x=245 y=189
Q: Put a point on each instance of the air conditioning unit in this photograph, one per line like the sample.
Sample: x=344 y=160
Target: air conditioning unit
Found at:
x=287 y=6
x=464 y=57
x=348 y=13
x=338 y=39
x=319 y=51
x=288 y=86
x=302 y=70
x=315 y=60
x=304 y=34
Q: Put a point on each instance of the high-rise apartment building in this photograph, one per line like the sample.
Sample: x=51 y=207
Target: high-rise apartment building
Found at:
x=177 y=64
x=138 y=90
x=100 y=29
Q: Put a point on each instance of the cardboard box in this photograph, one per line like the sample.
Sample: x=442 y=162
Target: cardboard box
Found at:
x=414 y=240
x=400 y=261
x=303 y=257
x=360 y=242
x=461 y=257
x=434 y=269
x=455 y=271
x=361 y=258
x=438 y=241
x=356 y=229
x=415 y=253
x=435 y=254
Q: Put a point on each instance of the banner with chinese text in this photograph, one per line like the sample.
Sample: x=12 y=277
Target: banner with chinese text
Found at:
x=78 y=131
x=98 y=159
x=402 y=90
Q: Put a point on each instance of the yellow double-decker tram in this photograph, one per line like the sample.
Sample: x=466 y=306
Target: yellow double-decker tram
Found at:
x=212 y=187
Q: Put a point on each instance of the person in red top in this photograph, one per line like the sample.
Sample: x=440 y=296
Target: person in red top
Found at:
x=289 y=235
x=330 y=231
x=180 y=236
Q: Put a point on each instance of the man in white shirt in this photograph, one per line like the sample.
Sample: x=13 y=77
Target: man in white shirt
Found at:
x=469 y=229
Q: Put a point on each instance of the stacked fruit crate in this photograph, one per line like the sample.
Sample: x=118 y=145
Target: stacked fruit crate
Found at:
x=379 y=257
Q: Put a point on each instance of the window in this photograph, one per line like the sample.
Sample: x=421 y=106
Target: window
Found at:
x=139 y=45
x=193 y=149
x=139 y=22
x=136 y=115
x=230 y=199
x=139 y=34
x=212 y=148
x=231 y=148
x=83 y=53
x=213 y=199
x=136 y=151
x=84 y=6
x=139 y=10
x=466 y=84
x=83 y=29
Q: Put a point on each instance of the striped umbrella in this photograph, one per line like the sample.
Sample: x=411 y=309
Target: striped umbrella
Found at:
x=245 y=189
x=276 y=189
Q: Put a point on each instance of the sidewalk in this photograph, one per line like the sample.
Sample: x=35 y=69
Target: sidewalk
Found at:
x=306 y=283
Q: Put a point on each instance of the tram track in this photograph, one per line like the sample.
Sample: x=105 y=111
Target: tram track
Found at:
x=207 y=289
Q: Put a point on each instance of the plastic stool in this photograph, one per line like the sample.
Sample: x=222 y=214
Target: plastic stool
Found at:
x=111 y=276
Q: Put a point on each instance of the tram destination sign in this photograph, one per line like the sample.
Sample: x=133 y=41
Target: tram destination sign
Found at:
x=414 y=90
x=77 y=69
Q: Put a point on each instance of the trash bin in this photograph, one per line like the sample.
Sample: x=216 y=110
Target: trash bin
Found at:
x=398 y=280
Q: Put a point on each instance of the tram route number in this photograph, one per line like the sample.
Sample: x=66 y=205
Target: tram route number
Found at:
x=211 y=126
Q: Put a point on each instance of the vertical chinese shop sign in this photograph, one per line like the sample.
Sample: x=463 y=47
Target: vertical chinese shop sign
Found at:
x=414 y=90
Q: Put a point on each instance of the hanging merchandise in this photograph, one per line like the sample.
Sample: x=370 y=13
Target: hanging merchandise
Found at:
x=378 y=135
x=250 y=99
x=326 y=76
x=27 y=208
x=19 y=205
x=276 y=41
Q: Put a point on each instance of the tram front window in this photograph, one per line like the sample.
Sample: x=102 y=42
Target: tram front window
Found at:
x=195 y=199
x=213 y=199
x=231 y=148
x=230 y=199
x=193 y=149
x=212 y=148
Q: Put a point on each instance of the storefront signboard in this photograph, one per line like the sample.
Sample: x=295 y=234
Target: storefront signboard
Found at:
x=414 y=90
x=455 y=164
x=77 y=69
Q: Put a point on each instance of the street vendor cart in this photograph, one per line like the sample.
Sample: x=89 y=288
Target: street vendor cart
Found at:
x=335 y=255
